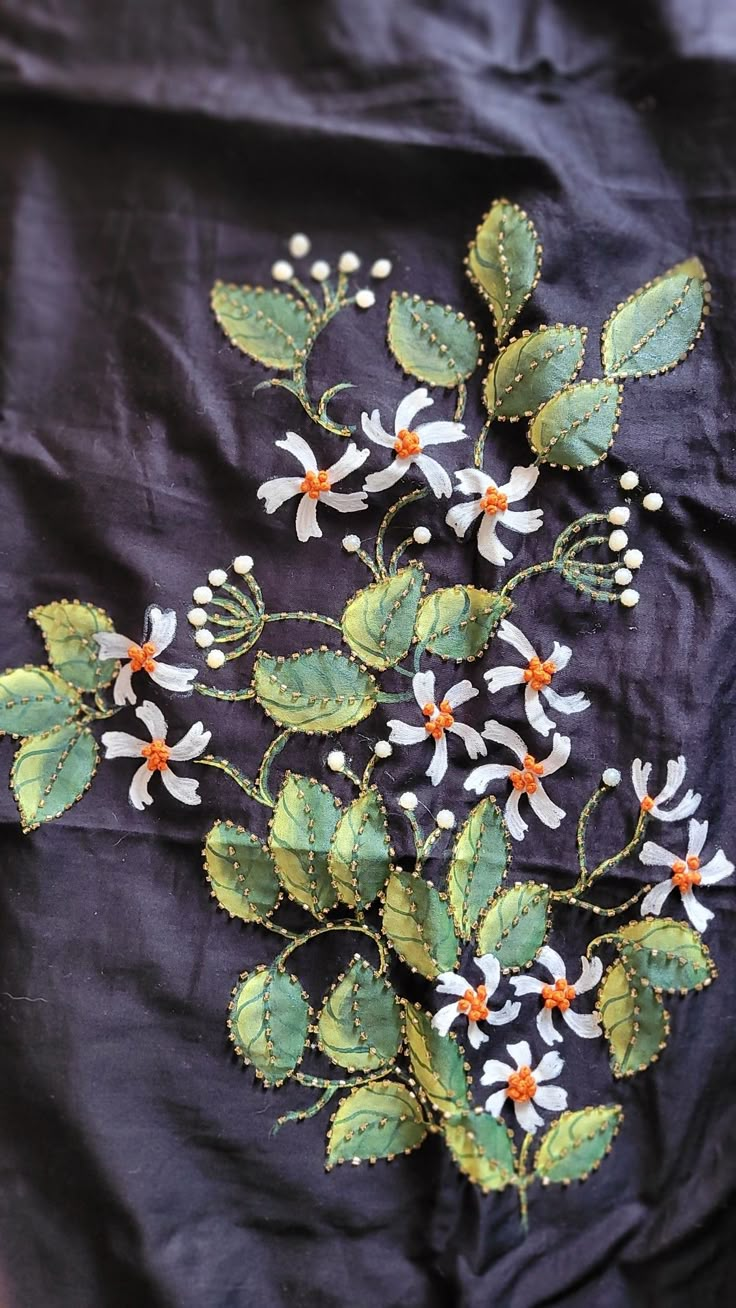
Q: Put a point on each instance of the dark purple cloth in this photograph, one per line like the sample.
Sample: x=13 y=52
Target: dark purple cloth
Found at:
x=145 y=151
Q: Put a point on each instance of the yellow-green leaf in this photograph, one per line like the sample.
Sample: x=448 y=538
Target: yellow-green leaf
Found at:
x=576 y=428
x=431 y=341
x=301 y=830
x=482 y=1148
x=375 y=1121
x=241 y=872
x=504 y=262
x=658 y=325
x=359 y=854
x=531 y=369
x=34 y=700
x=480 y=859
x=457 y=622
x=670 y=955
x=269 y=1017
x=515 y=925
x=68 y=628
x=634 y=1019
x=270 y=326
x=52 y=771
x=378 y=622
x=417 y=923
x=314 y=691
x=576 y=1143
x=359 y=1027
x=437 y=1063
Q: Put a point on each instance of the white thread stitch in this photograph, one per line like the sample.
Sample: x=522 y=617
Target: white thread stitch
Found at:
x=409 y=443
x=522 y=1078
x=160 y=627
x=686 y=873
x=156 y=755
x=493 y=506
x=676 y=770
x=536 y=677
x=440 y=720
x=561 y=994
x=525 y=780
x=472 y=1003
x=316 y=485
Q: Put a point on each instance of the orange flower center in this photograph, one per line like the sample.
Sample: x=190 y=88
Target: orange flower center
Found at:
x=685 y=875
x=647 y=803
x=407 y=443
x=141 y=657
x=494 y=501
x=473 y=1004
x=522 y=1085
x=314 y=484
x=157 y=754
x=527 y=779
x=560 y=995
x=441 y=723
x=539 y=674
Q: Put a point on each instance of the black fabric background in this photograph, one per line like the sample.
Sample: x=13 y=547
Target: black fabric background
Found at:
x=146 y=149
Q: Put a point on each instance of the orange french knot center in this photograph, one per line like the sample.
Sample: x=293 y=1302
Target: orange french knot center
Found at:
x=494 y=501
x=473 y=1004
x=141 y=657
x=560 y=995
x=647 y=803
x=527 y=780
x=157 y=754
x=539 y=674
x=685 y=875
x=407 y=443
x=522 y=1085
x=314 y=484
x=442 y=723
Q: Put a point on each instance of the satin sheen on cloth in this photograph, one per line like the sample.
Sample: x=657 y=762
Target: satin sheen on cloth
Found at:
x=144 y=152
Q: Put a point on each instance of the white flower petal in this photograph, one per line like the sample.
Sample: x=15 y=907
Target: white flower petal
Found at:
x=526 y=985
x=278 y=490
x=111 y=645
x=489 y=546
x=585 y=1025
x=153 y=719
x=521 y=1054
x=505 y=736
x=656 y=855
x=552 y=961
x=654 y=901
x=162 y=628
x=546 y=811
x=424 y=687
x=450 y=983
x=440 y=433
x=119 y=744
x=699 y=915
x=374 y=430
x=403 y=733
x=348 y=462
x=138 y=790
x=298 y=447
x=536 y=715
x=500 y=678
x=122 y=691
x=546 y=1027
x=494 y=1070
x=460 y=694
x=717 y=869
x=551 y=1097
x=527 y=1116
x=387 y=477
x=480 y=778
x=558 y=757
x=560 y=656
x=409 y=407
x=520 y=482
x=501 y=1016
x=576 y=703
x=345 y=501
x=523 y=523
x=191 y=745
x=495 y=1102
x=182 y=788
x=307 y=526
x=548 y=1068
x=697 y=834
x=513 y=636
x=640 y=773
x=438 y=766
x=444 y=1018
x=471 y=481
x=472 y=739
x=514 y=821
x=438 y=480
x=462 y=517
x=491 y=969
x=591 y=971
x=676 y=769
x=176 y=679
x=475 y=1035
x=686 y=807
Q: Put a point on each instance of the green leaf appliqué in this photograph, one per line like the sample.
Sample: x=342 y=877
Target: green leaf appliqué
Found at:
x=52 y=771
x=375 y=1121
x=576 y=1144
x=315 y=691
x=68 y=628
x=33 y=700
x=431 y=341
x=515 y=925
x=658 y=325
x=504 y=261
x=269 y=1017
x=480 y=859
x=634 y=1020
x=270 y=326
x=576 y=428
x=359 y=1027
x=378 y=622
x=458 y=622
x=669 y=955
x=531 y=369
x=482 y=1148
x=301 y=829
x=417 y=923
x=241 y=872
x=437 y=1063
x=359 y=854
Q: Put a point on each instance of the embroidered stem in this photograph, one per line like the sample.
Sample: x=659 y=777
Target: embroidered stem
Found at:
x=623 y=854
x=462 y=399
x=480 y=443
x=534 y=571
x=273 y=750
x=299 y=616
x=425 y=847
x=358 y=927
x=213 y=692
x=351 y=776
x=235 y=775
x=304 y=1113
x=394 y=560
x=368 y=772
x=524 y=1180
x=586 y=878
x=388 y=518
x=607 y=937
x=575 y=527
x=348 y=1083
x=568 y=897
x=384 y=697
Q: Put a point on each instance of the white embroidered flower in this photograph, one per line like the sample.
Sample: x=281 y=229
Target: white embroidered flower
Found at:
x=409 y=443
x=156 y=756
x=159 y=631
x=472 y=1001
x=315 y=485
x=523 y=1085
x=676 y=769
x=493 y=505
x=686 y=873
x=525 y=780
x=440 y=719
x=536 y=677
x=560 y=995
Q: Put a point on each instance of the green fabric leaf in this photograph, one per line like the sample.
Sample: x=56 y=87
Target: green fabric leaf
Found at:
x=33 y=700
x=531 y=369
x=458 y=622
x=359 y=861
x=504 y=262
x=515 y=925
x=576 y=428
x=378 y=622
x=375 y=1121
x=480 y=860
x=68 y=628
x=669 y=955
x=300 y=832
x=360 y=1024
x=431 y=341
x=417 y=923
x=437 y=1063
x=576 y=1143
x=658 y=325
x=52 y=771
x=482 y=1148
x=269 y=1017
x=241 y=872
x=315 y=691
x=634 y=1020
x=270 y=326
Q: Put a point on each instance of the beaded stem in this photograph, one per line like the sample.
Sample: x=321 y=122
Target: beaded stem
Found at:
x=274 y=749
x=299 y=616
x=388 y=518
x=230 y=770
x=357 y=927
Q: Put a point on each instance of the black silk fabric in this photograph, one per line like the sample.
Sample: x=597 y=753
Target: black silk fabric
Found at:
x=146 y=150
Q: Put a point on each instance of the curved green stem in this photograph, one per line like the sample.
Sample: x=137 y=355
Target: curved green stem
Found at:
x=608 y=936
x=388 y=518
x=231 y=695
x=300 y=616
x=345 y=771
x=305 y=1113
x=89 y=714
x=534 y=571
x=368 y=561
x=587 y=878
x=575 y=527
x=347 y=1083
x=615 y=859
x=235 y=775
x=480 y=444
x=568 y=897
x=357 y=927
x=393 y=561
x=384 y=697
x=524 y=1180
x=273 y=750
x=462 y=399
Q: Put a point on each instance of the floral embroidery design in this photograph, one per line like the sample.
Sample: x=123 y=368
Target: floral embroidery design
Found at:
x=493 y=509
x=409 y=443
x=161 y=629
x=559 y=995
x=536 y=678
x=440 y=720
x=157 y=756
x=685 y=873
x=316 y=485
x=525 y=780
x=524 y=1086
x=473 y=1002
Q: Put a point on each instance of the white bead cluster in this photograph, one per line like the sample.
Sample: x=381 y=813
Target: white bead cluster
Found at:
x=349 y=262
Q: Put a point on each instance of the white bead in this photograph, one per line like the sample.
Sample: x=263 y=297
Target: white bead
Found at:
x=653 y=501
x=629 y=598
x=336 y=760
x=217 y=577
x=243 y=565
x=299 y=245
x=422 y=535
x=618 y=540
x=281 y=271
x=197 y=617
x=619 y=515
x=204 y=638
x=445 y=819
x=320 y=270
x=349 y=262
x=201 y=594
x=381 y=268
x=351 y=544
x=408 y=801
x=215 y=658
x=382 y=749
x=622 y=576
x=629 y=481
x=633 y=559
x=365 y=299
x=611 y=777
